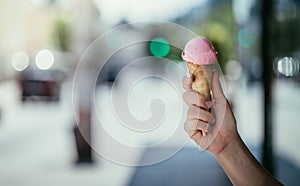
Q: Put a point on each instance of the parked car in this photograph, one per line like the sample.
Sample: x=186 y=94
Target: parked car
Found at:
x=41 y=84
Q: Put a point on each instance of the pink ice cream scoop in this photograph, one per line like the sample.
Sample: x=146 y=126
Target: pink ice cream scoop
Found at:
x=199 y=51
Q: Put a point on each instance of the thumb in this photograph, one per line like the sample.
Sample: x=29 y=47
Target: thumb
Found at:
x=216 y=86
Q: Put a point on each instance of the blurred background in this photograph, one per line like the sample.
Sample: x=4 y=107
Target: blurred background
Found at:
x=42 y=42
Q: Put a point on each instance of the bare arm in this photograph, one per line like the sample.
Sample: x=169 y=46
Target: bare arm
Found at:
x=222 y=137
x=241 y=166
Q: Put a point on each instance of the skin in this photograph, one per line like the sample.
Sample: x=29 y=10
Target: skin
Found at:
x=222 y=139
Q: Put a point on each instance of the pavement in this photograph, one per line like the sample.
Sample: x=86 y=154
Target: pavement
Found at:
x=37 y=143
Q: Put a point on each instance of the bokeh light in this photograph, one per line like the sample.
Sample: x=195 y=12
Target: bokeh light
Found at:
x=159 y=47
x=233 y=69
x=287 y=66
x=44 y=59
x=245 y=38
x=20 y=61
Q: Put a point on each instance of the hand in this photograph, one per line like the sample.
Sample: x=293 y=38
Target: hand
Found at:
x=219 y=124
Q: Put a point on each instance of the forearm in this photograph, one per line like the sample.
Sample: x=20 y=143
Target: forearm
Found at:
x=241 y=166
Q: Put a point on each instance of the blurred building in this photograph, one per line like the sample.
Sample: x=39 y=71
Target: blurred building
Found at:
x=64 y=27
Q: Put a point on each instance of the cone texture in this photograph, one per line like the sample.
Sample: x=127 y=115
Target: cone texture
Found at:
x=200 y=83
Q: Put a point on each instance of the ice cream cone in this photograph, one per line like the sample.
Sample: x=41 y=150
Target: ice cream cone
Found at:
x=200 y=55
x=200 y=83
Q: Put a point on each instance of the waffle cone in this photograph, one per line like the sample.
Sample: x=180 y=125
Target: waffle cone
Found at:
x=200 y=83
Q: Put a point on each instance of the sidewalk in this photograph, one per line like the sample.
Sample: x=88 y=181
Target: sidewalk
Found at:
x=37 y=146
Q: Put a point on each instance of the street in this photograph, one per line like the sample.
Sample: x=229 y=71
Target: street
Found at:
x=37 y=143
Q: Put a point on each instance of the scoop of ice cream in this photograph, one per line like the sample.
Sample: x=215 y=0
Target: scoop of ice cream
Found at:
x=199 y=51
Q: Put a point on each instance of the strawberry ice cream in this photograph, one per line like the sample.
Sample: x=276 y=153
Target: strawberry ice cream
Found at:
x=199 y=51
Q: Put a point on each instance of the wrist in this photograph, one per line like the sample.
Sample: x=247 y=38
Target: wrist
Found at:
x=230 y=147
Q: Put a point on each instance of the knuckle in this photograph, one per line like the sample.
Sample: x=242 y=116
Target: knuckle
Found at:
x=184 y=97
x=184 y=93
x=201 y=99
x=189 y=126
x=185 y=126
x=190 y=114
x=203 y=126
x=193 y=111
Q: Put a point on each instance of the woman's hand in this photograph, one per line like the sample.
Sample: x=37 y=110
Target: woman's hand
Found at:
x=214 y=117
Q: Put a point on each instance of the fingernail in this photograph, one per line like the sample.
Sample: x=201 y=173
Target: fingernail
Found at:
x=189 y=77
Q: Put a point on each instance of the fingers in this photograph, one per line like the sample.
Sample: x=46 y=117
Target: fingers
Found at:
x=192 y=98
x=216 y=86
x=193 y=126
x=187 y=83
x=197 y=113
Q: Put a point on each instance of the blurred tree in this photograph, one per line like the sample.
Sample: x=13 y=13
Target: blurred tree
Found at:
x=220 y=28
x=61 y=34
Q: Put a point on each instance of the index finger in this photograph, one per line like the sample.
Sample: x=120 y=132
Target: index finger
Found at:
x=192 y=98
